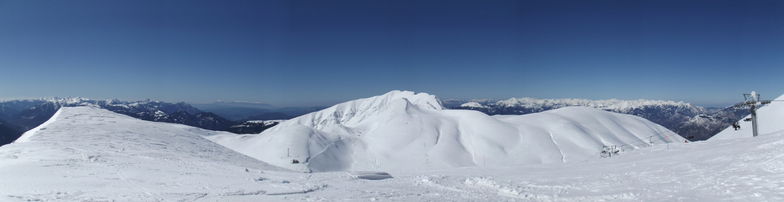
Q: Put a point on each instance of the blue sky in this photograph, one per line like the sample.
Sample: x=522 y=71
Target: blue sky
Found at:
x=320 y=52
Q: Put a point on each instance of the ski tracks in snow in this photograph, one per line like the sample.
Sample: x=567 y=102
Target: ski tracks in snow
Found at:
x=563 y=157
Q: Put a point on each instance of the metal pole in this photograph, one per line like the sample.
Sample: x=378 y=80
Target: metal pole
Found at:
x=754 y=119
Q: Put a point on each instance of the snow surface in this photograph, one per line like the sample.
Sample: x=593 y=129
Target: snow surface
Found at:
x=769 y=120
x=402 y=131
x=91 y=154
x=88 y=154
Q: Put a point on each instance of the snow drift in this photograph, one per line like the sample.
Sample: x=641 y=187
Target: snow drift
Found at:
x=403 y=130
x=769 y=119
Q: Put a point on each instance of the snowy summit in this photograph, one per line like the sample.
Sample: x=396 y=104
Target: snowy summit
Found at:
x=405 y=131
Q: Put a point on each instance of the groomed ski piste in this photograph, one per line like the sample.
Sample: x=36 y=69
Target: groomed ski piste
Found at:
x=90 y=154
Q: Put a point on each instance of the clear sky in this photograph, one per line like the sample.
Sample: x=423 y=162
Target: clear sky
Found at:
x=310 y=52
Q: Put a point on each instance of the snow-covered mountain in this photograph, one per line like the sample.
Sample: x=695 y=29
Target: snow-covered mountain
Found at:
x=403 y=130
x=92 y=154
x=26 y=114
x=690 y=121
x=769 y=120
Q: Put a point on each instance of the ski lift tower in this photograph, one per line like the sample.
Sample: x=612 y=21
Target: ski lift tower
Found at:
x=753 y=102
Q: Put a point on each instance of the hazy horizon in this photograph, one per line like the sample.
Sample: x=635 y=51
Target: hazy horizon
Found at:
x=323 y=104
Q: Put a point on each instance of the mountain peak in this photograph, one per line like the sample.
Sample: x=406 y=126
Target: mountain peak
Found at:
x=360 y=110
x=423 y=100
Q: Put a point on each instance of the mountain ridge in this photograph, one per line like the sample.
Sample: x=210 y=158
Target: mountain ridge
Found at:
x=690 y=121
x=23 y=115
x=402 y=130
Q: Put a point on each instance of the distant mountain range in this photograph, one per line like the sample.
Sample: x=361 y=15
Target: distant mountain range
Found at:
x=240 y=111
x=253 y=126
x=18 y=116
x=690 y=121
x=7 y=133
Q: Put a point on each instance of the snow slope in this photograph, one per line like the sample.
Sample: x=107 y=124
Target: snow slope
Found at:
x=403 y=131
x=87 y=154
x=91 y=154
x=746 y=169
x=769 y=119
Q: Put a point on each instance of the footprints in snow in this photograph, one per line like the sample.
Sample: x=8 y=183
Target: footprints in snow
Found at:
x=483 y=187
